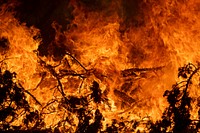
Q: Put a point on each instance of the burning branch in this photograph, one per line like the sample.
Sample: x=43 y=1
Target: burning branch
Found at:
x=124 y=97
x=51 y=69
x=86 y=109
x=76 y=61
x=32 y=96
x=132 y=71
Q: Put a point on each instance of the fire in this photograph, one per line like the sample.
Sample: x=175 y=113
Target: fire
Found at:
x=19 y=57
x=132 y=54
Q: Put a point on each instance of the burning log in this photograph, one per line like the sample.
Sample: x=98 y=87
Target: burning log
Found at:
x=69 y=73
x=133 y=71
x=124 y=97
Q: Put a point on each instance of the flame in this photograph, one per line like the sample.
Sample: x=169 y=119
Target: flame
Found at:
x=20 y=57
x=107 y=42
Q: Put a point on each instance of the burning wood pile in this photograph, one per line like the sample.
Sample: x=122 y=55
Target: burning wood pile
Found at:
x=93 y=66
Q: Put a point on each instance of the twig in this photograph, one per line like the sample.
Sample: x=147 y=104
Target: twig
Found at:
x=53 y=72
x=54 y=100
x=43 y=76
x=189 y=79
x=30 y=95
x=76 y=61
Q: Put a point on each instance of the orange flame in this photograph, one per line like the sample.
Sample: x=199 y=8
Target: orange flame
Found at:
x=164 y=35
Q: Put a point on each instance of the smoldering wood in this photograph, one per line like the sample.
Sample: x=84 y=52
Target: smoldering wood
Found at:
x=133 y=71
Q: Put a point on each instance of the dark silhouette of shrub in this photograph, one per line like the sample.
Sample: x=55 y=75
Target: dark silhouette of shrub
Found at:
x=176 y=117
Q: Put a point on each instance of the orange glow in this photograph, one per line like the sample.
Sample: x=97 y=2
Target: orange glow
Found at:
x=167 y=38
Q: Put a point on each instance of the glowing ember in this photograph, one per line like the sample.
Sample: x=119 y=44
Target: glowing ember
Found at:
x=113 y=61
